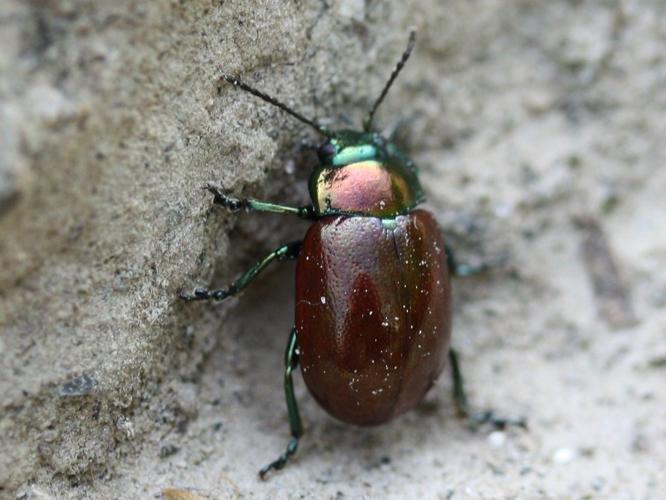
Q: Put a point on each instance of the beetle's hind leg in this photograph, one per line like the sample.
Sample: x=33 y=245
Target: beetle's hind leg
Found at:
x=291 y=362
x=462 y=407
x=285 y=252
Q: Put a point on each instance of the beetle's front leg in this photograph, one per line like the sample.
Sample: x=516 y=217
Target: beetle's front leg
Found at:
x=460 y=399
x=285 y=252
x=291 y=362
x=252 y=205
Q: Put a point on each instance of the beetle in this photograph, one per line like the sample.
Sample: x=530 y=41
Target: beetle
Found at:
x=373 y=293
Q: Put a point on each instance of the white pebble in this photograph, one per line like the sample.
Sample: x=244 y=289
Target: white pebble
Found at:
x=564 y=455
x=496 y=439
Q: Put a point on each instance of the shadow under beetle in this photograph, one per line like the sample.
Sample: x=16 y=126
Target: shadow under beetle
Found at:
x=373 y=294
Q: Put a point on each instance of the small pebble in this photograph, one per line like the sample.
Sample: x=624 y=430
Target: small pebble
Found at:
x=564 y=455
x=290 y=167
x=496 y=439
x=168 y=450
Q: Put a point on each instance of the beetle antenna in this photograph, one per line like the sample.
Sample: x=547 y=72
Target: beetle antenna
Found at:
x=237 y=82
x=367 y=123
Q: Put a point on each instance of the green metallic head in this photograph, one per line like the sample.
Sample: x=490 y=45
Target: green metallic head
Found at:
x=350 y=146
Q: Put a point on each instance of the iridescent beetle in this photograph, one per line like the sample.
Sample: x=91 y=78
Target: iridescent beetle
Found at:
x=373 y=295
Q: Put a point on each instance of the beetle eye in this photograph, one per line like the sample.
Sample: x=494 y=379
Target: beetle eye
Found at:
x=326 y=151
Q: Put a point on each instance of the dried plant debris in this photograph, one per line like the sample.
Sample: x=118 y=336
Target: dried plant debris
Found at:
x=181 y=494
x=610 y=291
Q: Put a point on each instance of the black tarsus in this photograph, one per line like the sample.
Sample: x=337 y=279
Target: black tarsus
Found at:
x=477 y=418
x=237 y=82
x=285 y=252
x=398 y=67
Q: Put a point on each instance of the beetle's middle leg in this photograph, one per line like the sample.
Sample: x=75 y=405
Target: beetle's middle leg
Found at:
x=291 y=362
x=462 y=407
x=252 y=205
x=285 y=252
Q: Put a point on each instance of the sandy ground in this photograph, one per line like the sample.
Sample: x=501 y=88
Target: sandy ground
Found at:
x=559 y=336
x=544 y=145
